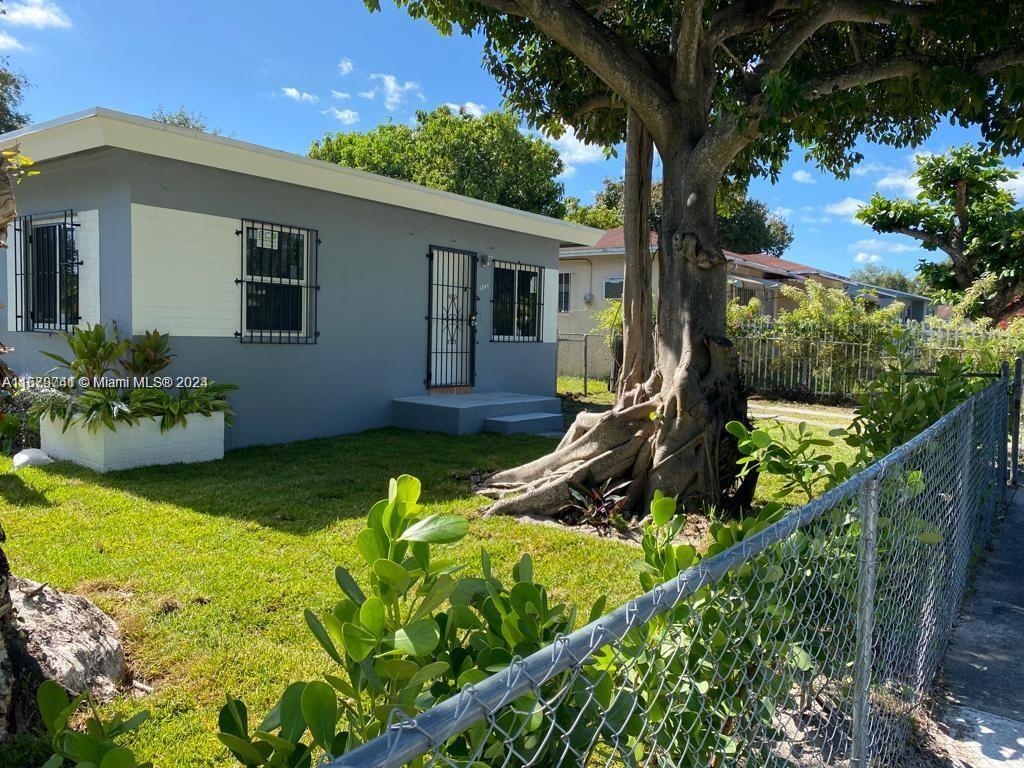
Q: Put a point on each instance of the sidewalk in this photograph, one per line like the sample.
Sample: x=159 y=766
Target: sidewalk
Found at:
x=983 y=670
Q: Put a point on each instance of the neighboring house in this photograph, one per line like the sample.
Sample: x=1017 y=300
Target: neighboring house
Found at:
x=591 y=275
x=323 y=292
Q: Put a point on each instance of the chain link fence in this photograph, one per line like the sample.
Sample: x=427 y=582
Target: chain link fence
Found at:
x=585 y=363
x=807 y=643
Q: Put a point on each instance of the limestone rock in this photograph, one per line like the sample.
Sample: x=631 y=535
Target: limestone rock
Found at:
x=66 y=638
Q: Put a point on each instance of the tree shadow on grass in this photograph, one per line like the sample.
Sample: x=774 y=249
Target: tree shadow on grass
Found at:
x=306 y=486
x=14 y=491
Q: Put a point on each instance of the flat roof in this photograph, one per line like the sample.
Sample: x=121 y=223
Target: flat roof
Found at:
x=99 y=127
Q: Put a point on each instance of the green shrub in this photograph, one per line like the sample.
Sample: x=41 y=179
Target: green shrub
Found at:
x=411 y=636
x=97 y=399
x=899 y=404
x=95 y=746
x=148 y=355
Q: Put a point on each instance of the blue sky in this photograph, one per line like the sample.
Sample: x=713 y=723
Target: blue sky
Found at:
x=282 y=74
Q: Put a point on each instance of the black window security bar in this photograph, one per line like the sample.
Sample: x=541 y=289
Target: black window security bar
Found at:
x=278 y=284
x=451 y=318
x=46 y=264
x=517 y=301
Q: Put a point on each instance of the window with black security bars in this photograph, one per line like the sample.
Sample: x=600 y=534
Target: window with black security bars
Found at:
x=517 y=302
x=564 y=291
x=46 y=268
x=278 y=284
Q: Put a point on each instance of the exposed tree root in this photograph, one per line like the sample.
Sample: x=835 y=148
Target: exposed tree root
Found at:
x=684 y=450
x=606 y=445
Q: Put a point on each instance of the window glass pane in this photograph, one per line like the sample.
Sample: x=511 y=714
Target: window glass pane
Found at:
x=45 y=262
x=275 y=253
x=529 y=300
x=273 y=307
x=68 y=258
x=504 y=311
x=564 y=291
x=613 y=289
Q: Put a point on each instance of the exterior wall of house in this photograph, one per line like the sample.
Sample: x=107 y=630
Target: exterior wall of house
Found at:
x=588 y=277
x=591 y=272
x=168 y=228
x=95 y=188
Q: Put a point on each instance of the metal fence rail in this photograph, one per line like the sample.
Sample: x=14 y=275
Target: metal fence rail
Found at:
x=809 y=643
x=836 y=361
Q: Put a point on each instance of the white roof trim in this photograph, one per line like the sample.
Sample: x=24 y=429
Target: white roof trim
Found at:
x=97 y=127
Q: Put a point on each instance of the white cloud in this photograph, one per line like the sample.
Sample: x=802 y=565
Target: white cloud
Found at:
x=345 y=66
x=296 y=95
x=340 y=94
x=804 y=177
x=394 y=92
x=574 y=152
x=845 y=207
x=874 y=244
x=470 y=107
x=865 y=169
x=344 y=116
x=1015 y=186
x=867 y=258
x=36 y=13
x=783 y=211
x=10 y=43
x=816 y=219
x=901 y=182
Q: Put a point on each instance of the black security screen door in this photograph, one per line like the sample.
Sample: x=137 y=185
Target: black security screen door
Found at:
x=451 y=318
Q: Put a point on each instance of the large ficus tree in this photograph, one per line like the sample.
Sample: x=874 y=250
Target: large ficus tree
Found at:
x=964 y=212
x=725 y=88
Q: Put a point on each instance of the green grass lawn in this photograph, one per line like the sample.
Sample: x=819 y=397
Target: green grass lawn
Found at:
x=597 y=390
x=207 y=568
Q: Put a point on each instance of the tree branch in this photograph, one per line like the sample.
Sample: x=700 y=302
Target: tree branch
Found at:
x=795 y=35
x=691 y=27
x=745 y=16
x=960 y=206
x=597 y=102
x=622 y=67
x=503 y=6
x=926 y=237
x=866 y=74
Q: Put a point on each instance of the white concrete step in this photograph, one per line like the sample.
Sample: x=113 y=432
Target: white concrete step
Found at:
x=519 y=423
x=464 y=414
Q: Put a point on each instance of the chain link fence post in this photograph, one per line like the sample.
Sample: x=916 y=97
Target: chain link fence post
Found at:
x=1015 y=396
x=586 y=372
x=867 y=561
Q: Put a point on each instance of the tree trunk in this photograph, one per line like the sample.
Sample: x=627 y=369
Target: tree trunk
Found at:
x=694 y=457
x=6 y=624
x=637 y=298
x=670 y=434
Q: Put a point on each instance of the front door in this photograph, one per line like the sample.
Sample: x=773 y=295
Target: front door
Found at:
x=451 y=318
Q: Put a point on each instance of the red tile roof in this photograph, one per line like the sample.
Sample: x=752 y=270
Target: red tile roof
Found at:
x=614 y=239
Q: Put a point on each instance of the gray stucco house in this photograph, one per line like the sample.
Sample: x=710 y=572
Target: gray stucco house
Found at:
x=327 y=294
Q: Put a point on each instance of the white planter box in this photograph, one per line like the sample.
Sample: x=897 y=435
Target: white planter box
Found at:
x=141 y=445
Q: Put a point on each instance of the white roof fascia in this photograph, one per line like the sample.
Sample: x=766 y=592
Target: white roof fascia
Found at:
x=96 y=128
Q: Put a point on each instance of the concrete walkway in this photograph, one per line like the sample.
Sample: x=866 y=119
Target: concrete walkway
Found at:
x=983 y=671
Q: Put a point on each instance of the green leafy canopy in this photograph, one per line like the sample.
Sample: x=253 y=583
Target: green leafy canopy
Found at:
x=964 y=211
x=752 y=78
x=487 y=157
